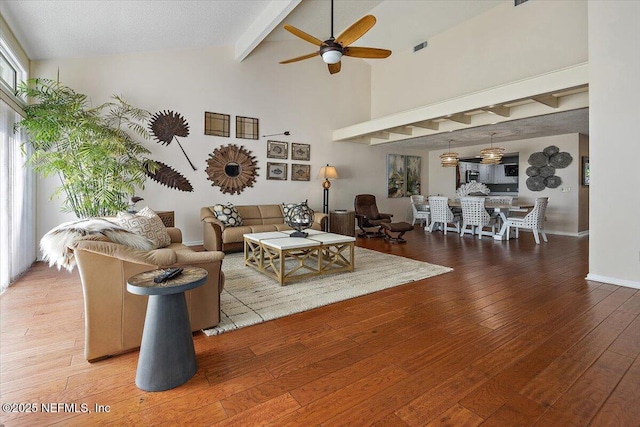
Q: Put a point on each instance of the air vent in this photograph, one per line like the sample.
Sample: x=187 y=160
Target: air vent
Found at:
x=519 y=2
x=419 y=46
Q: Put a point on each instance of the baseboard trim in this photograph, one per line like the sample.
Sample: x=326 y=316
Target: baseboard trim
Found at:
x=194 y=243
x=613 y=281
x=559 y=233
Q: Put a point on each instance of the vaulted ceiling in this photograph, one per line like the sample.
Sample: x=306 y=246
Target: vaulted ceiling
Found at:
x=68 y=28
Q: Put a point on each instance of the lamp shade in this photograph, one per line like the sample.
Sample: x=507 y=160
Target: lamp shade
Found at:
x=328 y=172
x=492 y=155
x=449 y=160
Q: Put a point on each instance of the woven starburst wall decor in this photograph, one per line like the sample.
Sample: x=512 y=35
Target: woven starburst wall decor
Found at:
x=232 y=168
x=165 y=126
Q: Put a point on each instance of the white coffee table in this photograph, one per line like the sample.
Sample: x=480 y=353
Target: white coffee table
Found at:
x=286 y=258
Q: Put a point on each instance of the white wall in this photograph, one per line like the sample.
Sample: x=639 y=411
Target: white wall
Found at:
x=503 y=45
x=302 y=98
x=614 y=91
x=562 y=212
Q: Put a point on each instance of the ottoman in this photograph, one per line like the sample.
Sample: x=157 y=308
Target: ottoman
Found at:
x=396 y=227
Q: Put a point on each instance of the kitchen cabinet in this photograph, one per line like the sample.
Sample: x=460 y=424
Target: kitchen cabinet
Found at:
x=500 y=177
x=487 y=174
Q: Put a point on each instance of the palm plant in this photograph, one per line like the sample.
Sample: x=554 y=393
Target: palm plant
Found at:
x=92 y=150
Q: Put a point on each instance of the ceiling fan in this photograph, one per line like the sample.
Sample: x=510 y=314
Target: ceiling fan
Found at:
x=333 y=49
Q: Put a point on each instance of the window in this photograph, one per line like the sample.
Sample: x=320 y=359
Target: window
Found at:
x=8 y=73
x=17 y=182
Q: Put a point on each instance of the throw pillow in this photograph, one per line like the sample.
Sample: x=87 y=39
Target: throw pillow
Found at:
x=286 y=207
x=148 y=224
x=228 y=215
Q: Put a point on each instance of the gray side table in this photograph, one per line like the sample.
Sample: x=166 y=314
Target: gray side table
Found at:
x=167 y=356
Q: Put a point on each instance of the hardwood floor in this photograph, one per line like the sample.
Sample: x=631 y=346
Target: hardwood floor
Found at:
x=513 y=336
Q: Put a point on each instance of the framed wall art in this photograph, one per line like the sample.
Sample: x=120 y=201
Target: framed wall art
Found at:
x=300 y=151
x=246 y=127
x=300 y=172
x=413 y=166
x=395 y=175
x=277 y=171
x=585 y=170
x=403 y=175
x=216 y=124
x=277 y=149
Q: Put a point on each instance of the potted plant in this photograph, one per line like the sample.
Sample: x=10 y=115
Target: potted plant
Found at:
x=91 y=149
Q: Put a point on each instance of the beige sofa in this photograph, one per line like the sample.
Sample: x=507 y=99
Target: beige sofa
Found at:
x=255 y=219
x=114 y=317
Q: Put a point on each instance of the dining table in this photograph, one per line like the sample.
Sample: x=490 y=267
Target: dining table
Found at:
x=502 y=209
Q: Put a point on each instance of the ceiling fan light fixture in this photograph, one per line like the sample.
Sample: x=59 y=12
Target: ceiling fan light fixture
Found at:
x=333 y=49
x=331 y=56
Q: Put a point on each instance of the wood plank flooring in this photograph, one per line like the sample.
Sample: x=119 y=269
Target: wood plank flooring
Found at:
x=513 y=336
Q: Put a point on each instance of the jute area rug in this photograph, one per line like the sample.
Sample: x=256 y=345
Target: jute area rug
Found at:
x=250 y=297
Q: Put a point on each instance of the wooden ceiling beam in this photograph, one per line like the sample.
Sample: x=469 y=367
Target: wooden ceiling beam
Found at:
x=426 y=124
x=459 y=118
x=402 y=130
x=499 y=110
x=379 y=135
x=548 y=100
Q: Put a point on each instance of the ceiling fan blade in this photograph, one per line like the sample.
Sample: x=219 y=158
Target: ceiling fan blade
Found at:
x=334 y=68
x=356 y=30
x=299 y=58
x=304 y=36
x=366 y=52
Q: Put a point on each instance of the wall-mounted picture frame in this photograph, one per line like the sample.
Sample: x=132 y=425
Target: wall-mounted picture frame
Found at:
x=413 y=167
x=300 y=151
x=403 y=175
x=216 y=124
x=277 y=149
x=300 y=172
x=277 y=171
x=396 y=176
x=585 y=171
x=247 y=127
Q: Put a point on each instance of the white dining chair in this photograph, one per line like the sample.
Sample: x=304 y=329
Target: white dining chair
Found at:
x=442 y=214
x=474 y=214
x=420 y=210
x=533 y=221
x=498 y=200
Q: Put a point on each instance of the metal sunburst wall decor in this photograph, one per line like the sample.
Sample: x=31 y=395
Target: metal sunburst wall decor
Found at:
x=166 y=126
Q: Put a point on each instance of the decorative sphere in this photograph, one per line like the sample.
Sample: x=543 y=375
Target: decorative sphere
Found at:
x=300 y=217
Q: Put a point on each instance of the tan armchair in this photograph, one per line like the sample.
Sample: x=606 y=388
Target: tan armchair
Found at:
x=114 y=318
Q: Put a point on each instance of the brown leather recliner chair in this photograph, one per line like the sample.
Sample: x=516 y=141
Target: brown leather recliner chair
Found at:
x=368 y=216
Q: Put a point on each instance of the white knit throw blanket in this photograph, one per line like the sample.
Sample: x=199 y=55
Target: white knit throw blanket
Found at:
x=57 y=245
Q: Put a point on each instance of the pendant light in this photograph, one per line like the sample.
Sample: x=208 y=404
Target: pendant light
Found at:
x=491 y=155
x=449 y=160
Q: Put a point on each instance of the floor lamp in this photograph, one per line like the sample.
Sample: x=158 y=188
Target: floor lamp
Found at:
x=327 y=173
